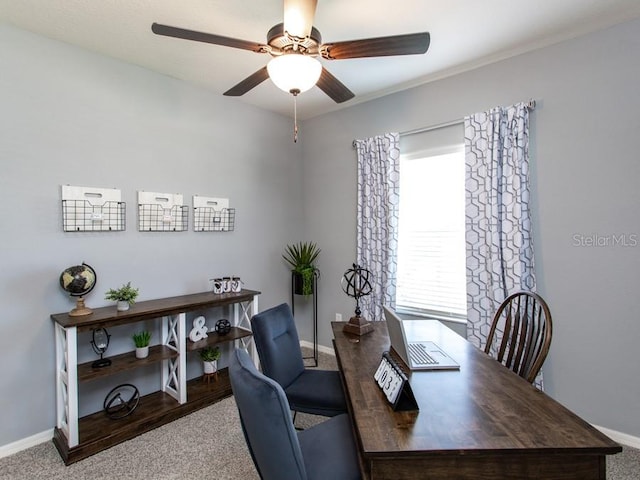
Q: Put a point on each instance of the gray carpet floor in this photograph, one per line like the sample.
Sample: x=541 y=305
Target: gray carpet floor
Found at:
x=206 y=444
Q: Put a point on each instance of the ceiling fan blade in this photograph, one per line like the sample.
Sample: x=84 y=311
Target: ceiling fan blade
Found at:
x=333 y=87
x=248 y=83
x=176 y=32
x=410 y=44
x=298 y=17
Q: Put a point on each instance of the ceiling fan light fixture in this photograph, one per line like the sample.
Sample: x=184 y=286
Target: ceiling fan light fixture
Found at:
x=294 y=71
x=298 y=16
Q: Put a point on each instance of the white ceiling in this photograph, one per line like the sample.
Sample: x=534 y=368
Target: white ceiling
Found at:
x=464 y=34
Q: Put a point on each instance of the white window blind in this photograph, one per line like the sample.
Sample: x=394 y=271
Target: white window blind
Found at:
x=431 y=238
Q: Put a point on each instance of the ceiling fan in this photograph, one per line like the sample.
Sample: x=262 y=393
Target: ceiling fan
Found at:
x=295 y=43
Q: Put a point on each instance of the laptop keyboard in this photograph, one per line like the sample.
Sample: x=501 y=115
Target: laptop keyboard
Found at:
x=419 y=355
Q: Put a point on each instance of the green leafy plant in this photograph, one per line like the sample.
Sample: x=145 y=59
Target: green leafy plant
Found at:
x=209 y=354
x=301 y=257
x=126 y=293
x=142 y=339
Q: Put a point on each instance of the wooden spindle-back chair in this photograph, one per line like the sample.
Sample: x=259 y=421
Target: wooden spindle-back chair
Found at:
x=520 y=334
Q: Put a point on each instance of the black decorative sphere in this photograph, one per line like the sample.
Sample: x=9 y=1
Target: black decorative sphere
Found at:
x=121 y=401
x=223 y=326
x=78 y=280
x=355 y=282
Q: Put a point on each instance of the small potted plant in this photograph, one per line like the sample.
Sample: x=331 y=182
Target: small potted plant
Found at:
x=302 y=257
x=209 y=357
x=125 y=296
x=142 y=339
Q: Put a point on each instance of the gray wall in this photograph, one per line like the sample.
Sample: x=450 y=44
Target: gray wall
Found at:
x=72 y=117
x=584 y=176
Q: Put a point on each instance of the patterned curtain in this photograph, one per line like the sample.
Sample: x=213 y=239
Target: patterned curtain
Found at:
x=377 y=218
x=498 y=221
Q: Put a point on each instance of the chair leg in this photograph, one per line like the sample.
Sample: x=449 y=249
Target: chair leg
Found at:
x=295 y=413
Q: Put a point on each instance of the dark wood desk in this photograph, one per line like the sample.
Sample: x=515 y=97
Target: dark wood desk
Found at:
x=482 y=422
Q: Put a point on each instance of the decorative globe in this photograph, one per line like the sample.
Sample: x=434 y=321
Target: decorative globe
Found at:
x=78 y=280
x=355 y=282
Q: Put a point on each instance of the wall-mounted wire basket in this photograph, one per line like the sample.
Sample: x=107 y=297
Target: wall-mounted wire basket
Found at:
x=213 y=215
x=90 y=209
x=162 y=212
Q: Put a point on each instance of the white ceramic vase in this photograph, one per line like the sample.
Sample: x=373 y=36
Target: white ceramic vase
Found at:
x=210 y=367
x=142 y=352
x=123 y=305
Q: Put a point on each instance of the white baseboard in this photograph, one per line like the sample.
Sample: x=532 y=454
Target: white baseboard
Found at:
x=623 y=438
x=321 y=348
x=25 y=443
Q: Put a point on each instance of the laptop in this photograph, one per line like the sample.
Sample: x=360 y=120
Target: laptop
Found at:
x=418 y=355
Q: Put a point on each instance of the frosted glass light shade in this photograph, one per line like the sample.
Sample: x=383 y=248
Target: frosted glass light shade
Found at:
x=294 y=71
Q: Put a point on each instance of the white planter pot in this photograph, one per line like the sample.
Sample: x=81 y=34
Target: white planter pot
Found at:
x=210 y=367
x=142 y=352
x=123 y=306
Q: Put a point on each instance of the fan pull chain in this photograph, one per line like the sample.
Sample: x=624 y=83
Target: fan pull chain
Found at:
x=295 y=93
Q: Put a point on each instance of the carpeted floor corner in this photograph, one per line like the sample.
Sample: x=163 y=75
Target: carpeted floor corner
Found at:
x=205 y=444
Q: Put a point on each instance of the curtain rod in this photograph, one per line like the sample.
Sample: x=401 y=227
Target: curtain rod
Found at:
x=433 y=127
x=531 y=104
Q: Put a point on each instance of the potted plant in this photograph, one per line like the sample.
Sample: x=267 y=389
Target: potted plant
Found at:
x=209 y=357
x=142 y=340
x=301 y=257
x=125 y=296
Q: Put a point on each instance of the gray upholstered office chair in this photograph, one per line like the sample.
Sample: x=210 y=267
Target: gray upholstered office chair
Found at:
x=314 y=391
x=520 y=334
x=325 y=451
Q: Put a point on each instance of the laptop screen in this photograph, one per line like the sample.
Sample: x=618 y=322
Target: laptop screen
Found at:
x=417 y=355
x=396 y=333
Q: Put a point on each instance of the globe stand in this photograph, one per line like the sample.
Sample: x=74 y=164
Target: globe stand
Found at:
x=77 y=281
x=355 y=283
x=80 y=309
x=357 y=325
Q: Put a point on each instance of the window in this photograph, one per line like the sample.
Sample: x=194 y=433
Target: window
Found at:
x=431 y=278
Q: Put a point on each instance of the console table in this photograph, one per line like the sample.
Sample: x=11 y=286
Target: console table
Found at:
x=77 y=438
